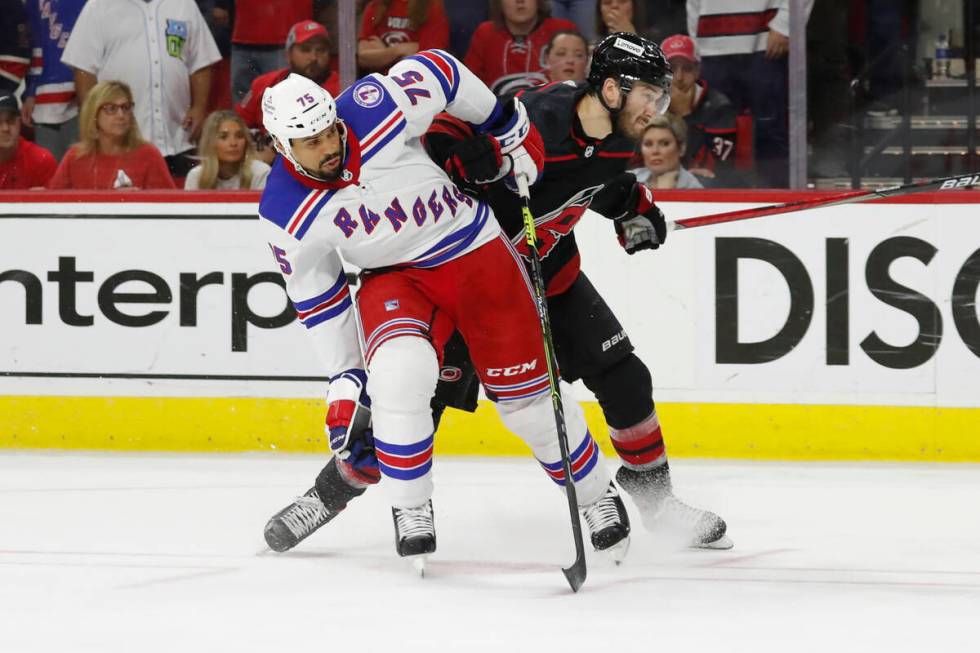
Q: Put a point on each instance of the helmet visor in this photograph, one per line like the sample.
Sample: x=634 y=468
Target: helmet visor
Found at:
x=656 y=98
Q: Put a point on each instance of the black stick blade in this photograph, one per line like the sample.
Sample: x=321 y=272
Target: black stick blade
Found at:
x=577 y=572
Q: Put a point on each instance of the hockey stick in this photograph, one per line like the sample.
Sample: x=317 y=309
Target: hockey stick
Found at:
x=577 y=572
x=850 y=197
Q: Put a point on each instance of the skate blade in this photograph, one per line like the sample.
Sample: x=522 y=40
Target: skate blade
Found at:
x=617 y=552
x=723 y=543
x=418 y=564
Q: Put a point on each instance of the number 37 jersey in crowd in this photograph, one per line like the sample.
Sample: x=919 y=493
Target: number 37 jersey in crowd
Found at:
x=392 y=206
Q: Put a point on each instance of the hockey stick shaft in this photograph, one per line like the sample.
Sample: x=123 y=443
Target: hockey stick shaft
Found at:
x=850 y=197
x=577 y=572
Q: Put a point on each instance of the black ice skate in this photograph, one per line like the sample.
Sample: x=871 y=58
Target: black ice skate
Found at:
x=415 y=533
x=609 y=524
x=296 y=522
x=661 y=511
x=319 y=505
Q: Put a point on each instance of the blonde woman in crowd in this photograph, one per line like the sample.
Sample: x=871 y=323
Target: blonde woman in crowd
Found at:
x=111 y=152
x=227 y=156
x=661 y=149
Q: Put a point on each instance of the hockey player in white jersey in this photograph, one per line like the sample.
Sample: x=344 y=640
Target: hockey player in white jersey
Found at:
x=353 y=180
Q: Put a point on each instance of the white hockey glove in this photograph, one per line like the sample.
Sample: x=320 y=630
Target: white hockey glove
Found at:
x=521 y=147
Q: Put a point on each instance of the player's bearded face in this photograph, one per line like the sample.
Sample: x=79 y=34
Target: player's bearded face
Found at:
x=642 y=103
x=321 y=155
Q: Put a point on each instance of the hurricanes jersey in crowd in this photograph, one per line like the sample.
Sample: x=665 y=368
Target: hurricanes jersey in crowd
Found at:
x=393 y=207
x=713 y=130
x=506 y=62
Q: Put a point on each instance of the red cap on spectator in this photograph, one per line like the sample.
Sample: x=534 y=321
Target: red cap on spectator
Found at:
x=303 y=31
x=681 y=46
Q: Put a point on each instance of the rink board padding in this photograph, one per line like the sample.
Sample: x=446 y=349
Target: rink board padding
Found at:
x=754 y=431
x=158 y=321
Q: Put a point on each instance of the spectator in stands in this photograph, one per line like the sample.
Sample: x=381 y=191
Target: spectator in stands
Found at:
x=260 y=29
x=227 y=156
x=661 y=148
x=22 y=163
x=464 y=17
x=507 y=51
x=392 y=29
x=219 y=22
x=618 y=16
x=15 y=47
x=580 y=12
x=713 y=142
x=308 y=53
x=111 y=153
x=566 y=56
x=163 y=50
x=49 y=97
x=743 y=55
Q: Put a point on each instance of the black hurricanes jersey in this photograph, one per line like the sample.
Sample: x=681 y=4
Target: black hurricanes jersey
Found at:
x=575 y=167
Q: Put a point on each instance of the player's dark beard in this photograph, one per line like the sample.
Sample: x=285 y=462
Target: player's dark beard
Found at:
x=624 y=125
x=333 y=176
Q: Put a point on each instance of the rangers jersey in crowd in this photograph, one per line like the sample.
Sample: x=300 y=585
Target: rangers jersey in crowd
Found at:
x=391 y=207
x=50 y=82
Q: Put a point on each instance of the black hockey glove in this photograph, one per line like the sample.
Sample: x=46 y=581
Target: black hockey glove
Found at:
x=640 y=224
x=477 y=160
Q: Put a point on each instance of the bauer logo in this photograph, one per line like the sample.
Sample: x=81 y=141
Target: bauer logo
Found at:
x=965 y=182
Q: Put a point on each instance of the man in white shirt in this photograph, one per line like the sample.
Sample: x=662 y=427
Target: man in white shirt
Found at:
x=163 y=50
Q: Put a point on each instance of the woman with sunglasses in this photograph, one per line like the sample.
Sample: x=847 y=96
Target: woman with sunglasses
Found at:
x=111 y=152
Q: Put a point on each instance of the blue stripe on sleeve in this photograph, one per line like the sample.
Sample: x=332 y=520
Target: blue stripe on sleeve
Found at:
x=319 y=318
x=307 y=304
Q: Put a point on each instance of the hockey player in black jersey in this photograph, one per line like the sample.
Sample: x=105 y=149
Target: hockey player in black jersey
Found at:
x=589 y=131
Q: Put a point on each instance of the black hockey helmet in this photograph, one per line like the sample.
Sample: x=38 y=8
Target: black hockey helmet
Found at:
x=630 y=58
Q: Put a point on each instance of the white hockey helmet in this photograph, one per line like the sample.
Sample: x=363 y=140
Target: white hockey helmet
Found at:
x=296 y=107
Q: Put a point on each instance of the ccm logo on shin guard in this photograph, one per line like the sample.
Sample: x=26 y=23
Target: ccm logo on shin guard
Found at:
x=615 y=340
x=513 y=370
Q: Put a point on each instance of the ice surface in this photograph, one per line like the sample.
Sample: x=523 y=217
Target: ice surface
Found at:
x=144 y=553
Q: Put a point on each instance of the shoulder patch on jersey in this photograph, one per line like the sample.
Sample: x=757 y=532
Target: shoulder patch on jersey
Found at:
x=368 y=94
x=365 y=105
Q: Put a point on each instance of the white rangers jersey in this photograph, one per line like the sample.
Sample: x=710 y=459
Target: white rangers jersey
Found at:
x=394 y=208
